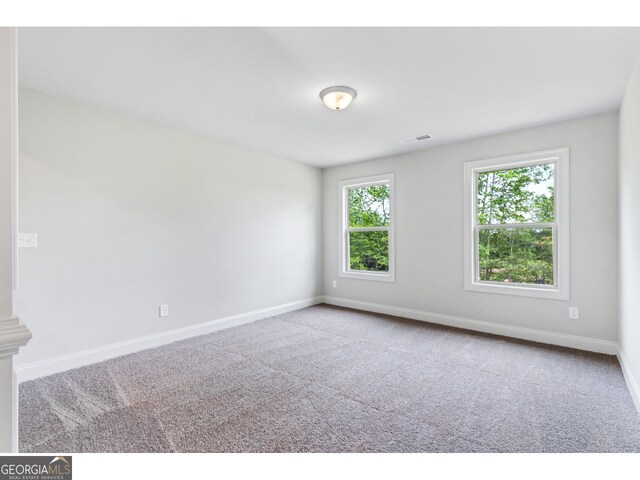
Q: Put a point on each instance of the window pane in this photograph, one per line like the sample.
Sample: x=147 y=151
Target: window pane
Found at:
x=516 y=195
x=369 y=206
x=522 y=255
x=369 y=251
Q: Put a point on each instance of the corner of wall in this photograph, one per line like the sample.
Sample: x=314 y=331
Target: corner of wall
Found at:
x=630 y=379
x=629 y=234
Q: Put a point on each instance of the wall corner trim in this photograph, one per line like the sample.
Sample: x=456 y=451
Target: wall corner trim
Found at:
x=632 y=384
x=31 y=371
x=13 y=336
x=542 y=336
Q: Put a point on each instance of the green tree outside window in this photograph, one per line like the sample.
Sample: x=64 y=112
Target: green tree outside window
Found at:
x=369 y=208
x=520 y=203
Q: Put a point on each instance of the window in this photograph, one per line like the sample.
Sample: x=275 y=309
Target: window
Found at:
x=516 y=225
x=367 y=228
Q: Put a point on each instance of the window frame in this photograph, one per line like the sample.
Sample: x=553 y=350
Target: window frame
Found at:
x=343 y=186
x=559 y=227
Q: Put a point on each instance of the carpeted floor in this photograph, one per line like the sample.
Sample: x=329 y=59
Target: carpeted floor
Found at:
x=326 y=379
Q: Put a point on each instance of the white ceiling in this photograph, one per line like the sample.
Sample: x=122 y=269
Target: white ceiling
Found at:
x=259 y=87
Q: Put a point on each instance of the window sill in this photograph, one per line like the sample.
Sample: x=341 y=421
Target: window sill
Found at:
x=550 y=293
x=378 y=277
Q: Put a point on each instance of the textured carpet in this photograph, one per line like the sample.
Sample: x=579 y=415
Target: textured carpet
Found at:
x=326 y=379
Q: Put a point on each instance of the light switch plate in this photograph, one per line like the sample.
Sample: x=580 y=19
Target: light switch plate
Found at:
x=27 y=240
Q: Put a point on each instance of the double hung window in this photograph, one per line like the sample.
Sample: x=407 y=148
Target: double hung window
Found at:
x=367 y=228
x=516 y=225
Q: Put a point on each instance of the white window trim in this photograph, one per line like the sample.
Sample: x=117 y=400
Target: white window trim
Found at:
x=343 y=268
x=561 y=289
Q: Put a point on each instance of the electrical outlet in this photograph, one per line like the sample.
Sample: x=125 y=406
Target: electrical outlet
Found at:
x=574 y=313
x=335 y=284
x=164 y=310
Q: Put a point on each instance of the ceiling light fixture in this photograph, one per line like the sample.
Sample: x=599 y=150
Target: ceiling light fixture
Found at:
x=338 y=98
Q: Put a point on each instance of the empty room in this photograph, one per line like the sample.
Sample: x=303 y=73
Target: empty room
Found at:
x=321 y=239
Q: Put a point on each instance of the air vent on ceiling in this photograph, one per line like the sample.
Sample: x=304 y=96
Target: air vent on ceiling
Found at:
x=415 y=139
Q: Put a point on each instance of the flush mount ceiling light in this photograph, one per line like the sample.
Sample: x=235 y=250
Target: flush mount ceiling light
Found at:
x=338 y=98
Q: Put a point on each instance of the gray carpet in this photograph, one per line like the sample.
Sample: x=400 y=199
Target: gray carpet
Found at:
x=326 y=379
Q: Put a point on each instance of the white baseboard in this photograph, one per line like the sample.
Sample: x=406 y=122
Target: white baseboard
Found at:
x=632 y=384
x=542 y=336
x=42 y=368
x=62 y=363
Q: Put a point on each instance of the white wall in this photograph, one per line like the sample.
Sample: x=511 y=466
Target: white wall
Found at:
x=630 y=233
x=429 y=232
x=6 y=189
x=6 y=233
x=131 y=214
x=13 y=334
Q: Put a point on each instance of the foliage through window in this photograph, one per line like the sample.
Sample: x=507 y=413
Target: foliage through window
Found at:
x=516 y=230
x=367 y=227
x=515 y=215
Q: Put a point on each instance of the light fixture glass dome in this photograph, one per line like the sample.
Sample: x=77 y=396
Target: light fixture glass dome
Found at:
x=338 y=98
